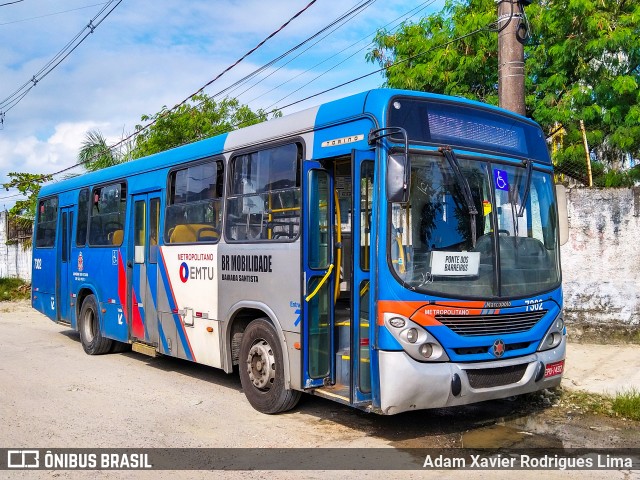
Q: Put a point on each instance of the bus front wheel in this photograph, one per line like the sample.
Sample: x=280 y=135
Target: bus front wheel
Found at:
x=89 y=325
x=262 y=369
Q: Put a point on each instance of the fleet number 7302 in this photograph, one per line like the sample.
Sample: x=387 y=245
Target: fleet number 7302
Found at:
x=533 y=305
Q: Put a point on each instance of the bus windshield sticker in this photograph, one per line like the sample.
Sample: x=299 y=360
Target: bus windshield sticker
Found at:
x=502 y=182
x=455 y=263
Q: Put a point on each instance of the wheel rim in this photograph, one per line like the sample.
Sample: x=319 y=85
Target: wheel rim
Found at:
x=89 y=325
x=261 y=365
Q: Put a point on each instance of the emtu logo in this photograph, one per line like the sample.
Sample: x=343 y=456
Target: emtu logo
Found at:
x=184 y=272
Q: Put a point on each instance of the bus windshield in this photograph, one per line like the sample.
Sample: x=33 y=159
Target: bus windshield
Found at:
x=509 y=248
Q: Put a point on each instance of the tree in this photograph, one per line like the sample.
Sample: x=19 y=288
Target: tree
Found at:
x=200 y=118
x=23 y=213
x=28 y=184
x=466 y=68
x=582 y=63
x=95 y=153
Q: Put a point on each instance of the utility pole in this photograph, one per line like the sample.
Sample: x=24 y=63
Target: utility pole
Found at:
x=511 y=54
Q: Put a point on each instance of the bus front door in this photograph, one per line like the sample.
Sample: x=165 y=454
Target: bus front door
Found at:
x=319 y=273
x=362 y=163
x=143 y=268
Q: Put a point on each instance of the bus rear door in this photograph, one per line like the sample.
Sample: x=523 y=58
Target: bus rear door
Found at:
x=143 y=268
x=63 y=278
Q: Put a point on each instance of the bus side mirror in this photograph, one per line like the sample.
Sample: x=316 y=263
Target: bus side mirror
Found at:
x=398 y=179
x=563 y=215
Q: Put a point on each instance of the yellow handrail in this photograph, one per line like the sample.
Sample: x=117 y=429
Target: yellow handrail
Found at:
x=336 y=293
x=401 y=259
x=288 y=209
x=324 y=279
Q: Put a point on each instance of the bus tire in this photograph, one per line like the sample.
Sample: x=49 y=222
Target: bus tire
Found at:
x=89 y=325
x=262 y=369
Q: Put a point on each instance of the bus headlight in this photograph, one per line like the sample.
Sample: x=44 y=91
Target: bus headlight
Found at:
x=397 y=322
x=426 y=350
x=554 y=335
x=412 y=335
x=415 y=340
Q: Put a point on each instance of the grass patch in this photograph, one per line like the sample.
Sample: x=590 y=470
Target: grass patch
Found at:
x=627 y=404
x=14 y=289
x=623 y=405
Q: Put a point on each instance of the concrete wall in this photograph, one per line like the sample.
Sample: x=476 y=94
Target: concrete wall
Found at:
x=14 y=260
x=601 y=260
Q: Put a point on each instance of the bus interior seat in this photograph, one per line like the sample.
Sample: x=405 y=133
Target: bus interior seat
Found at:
x=191 y=233
x=116 y=237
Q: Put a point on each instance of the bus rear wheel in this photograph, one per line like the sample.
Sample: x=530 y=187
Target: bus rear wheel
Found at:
x=89 y=325
x=262 y=369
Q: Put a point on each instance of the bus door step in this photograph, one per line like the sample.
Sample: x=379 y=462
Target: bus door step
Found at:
x=145 y=349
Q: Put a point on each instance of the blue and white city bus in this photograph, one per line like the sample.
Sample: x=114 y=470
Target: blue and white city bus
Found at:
x=391 y=250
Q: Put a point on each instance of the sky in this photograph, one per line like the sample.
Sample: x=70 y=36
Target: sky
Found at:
x=148 y=54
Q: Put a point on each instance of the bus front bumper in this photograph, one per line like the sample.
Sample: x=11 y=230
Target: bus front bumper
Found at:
x=409 y=385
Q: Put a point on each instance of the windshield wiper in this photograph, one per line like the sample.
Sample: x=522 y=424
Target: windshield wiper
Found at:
x=527 y=187
x=450 y=155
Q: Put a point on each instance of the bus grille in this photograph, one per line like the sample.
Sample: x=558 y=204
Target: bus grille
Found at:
x=495 y=377
x=496 y=324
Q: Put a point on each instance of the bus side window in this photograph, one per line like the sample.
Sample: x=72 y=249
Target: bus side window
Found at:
x=193 y=212
x=47 y=218
x=106 y=221
x=83 y=217
x=263 y=202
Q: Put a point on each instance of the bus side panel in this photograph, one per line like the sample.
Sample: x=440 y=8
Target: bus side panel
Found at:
x=101 y=270
x=276 y=284
x=187 y=303
x=43 y=281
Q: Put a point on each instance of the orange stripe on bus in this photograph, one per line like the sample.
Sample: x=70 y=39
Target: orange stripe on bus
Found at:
x=423 y=313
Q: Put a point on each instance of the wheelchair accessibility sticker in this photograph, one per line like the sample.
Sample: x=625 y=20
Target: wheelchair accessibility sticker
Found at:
x=501 y=180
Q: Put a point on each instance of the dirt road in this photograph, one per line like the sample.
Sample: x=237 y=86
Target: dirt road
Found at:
x=53 y=395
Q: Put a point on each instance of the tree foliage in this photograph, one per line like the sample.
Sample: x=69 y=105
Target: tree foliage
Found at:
x=28 y=184
x=429 y=61
x=200 y=118
x=582 y=63
x=23 y=213
x=95 y=153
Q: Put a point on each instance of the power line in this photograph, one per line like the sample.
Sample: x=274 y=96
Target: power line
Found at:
x=17 y=194
x=201 y=89
x=395 y=64
x=418 y=8
x=344 y=18
x=145 y=127
x=12 y=100
x=10 y=3
x=338 y=23
x=51 y=14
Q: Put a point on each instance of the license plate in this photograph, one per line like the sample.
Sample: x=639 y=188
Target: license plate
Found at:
x=554 y=369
